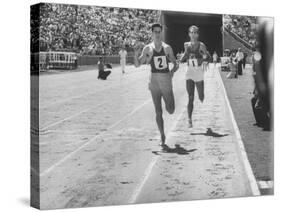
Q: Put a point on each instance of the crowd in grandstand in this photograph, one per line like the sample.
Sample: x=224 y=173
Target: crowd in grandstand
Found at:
x=93 y=30
x=243 y=26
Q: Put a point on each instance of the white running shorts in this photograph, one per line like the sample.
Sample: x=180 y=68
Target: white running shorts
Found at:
x=194 y=73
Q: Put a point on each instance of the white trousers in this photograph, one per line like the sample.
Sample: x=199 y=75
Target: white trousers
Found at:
x=123 y=64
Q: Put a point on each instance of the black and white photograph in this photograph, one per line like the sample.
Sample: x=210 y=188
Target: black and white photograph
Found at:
x=133 y=106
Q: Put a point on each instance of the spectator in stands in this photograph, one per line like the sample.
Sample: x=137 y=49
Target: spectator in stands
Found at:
x=93 y=30
x=242 y=26
x=239 y=57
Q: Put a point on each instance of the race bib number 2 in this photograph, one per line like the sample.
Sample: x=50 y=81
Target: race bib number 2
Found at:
x=193 y=62
x=160 y=62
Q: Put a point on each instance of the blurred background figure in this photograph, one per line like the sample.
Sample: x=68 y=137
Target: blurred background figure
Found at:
x=244 y=60
x=240 y=56
x=233 y=67
x=225 y=60
x=215 y=58
x=262 y=102
x=123 y=55
x=104 y=69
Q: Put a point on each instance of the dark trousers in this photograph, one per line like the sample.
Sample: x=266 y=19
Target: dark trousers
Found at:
x=103 y=74
x=244 y=63
x=240 y=63
x=260 y=113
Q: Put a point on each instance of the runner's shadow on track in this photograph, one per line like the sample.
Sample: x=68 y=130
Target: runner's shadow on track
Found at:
x=177 y=149
x=210 y=133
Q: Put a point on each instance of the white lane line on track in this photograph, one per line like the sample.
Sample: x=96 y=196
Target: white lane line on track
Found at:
x=149 y=169
x=246 y=163
x=87 y=94
x=69 y=133
x=51 y=168
x=71 y=117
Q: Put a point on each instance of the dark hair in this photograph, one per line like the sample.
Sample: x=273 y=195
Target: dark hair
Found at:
x=194 y=27
x=156 y=25
x=100 y=58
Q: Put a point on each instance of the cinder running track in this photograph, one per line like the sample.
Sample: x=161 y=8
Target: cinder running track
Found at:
x=99 y=143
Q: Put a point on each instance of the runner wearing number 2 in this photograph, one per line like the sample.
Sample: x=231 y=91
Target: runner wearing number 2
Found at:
x=195 y=53
x=158 y=54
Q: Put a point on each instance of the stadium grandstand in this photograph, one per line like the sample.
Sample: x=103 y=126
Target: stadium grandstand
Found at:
x=70 y=35
x=242 y=28
x=92 y=30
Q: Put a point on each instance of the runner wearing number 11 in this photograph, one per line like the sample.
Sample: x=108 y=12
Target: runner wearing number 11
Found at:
x=195 y=54
x=158 y=54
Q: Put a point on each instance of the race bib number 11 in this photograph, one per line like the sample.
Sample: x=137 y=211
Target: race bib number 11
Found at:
x=160 y=62
x=193 y=62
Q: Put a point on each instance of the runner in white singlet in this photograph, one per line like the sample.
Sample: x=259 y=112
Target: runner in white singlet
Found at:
x=195 y=54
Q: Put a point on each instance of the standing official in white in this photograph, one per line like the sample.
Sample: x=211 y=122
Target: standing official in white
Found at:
x=239 y=57
x=123 y=55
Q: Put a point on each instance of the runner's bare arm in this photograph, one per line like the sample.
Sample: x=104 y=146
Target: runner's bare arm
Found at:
x=184 y=56
x=203 y=51
x=139 y=60
x=173 y=59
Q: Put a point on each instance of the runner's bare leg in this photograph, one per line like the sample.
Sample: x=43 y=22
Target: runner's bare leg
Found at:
x=190 y=86
x=156 y=97
x=200 y=90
